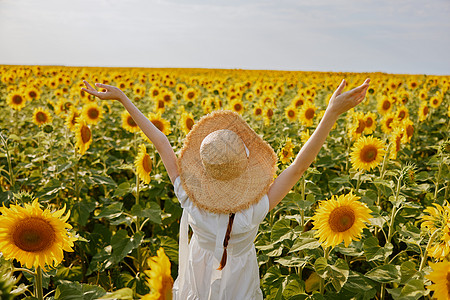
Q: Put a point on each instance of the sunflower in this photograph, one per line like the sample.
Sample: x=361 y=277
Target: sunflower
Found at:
x=159 y=105
x=71 y=119
x=423 y=94
x=180 y=88
x=154 y=92
x=441 y=280
x=340 y=219
x=187 y=121
x=168 y=97
x=257 y=112
x=358 y=126
x=307 y=113
x=92 y=113
x=190 y=95
x=267 y=115
x=16 y=100
x=286 y=152
x=33 y=236
x=83 y=135
x=402 y=113
x=367 y=153
x=304 y=136
x=384 y=105
x=32 y=93
x=409 y=129
x=250 y=96
x=237 y=105
x=160 y=281
x=396 y=140
x=298 y=101
x=41 y=116
x=388 y=123
x=436 y=217
x=435 y=101
x=423 y=111
x=162 y=124
x=128 y=123
x=370 y=122
x=143 y=164
x=291 y=113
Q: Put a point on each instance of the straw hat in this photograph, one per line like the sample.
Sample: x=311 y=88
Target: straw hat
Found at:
x=224 y=165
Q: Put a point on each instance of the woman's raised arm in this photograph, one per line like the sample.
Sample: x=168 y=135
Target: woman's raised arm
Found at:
x=339 y=103
x=158 y=139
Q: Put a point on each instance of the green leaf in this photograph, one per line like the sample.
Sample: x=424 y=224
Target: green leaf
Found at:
x=291 y=261
x=339 y=274
x=304 y=243
x=122 y=244
x=407 y=271
x=295 y=286
x=81 y=211
x=101 y=180
x=76 y=291
x=152 y=212
x=373 y=251
x=281 y=231
x=112 y=211
x=170 y=248
x=123 y=294
x=384 y=274
x=123 y=189
x=320 y=265
x=413 y=290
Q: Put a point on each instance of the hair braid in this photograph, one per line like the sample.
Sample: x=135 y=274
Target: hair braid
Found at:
x=223 y=261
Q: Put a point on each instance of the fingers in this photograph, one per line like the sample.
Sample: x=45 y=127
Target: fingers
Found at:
x=88 y=85
x=340 y=87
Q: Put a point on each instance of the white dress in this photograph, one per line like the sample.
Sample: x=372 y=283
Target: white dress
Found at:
x=198 y=277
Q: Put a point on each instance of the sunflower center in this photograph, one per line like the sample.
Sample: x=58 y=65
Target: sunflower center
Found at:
x=409 y=130
x=33 y=235
x=85 y=134
x=368 y=153
x=361 y=126
x=291 y=113
x=147 y=163
x=17 y=99
x=309 y=113
x=258 y=111
x=237 y=107
x=131 y=122
x=167 y=98
x=41 y=117
x=369 y=122
x=270 y=113
x=425 y=110
x=299 y=103
x=389 y=122
x=401 y=115
x=386 y=105
x=341 y=219
x=32 y=94
x=158 y=124
x=155 y=93
x=160 y=104
x=285 y=153
x=435 y=101
x=397 y=143
x=189 y=123
x=93 y=113
x=190 y=95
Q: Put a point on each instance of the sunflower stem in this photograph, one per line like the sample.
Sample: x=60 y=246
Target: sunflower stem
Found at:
x=438 y=177
x=326 y=252
x=302 y=190
x=38 y=284
x=358 y=183
x=425 y=254
x=12 y=180
x=77 y=194
x=138 y=219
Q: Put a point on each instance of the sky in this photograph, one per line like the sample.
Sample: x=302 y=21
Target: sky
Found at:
x=400 y=36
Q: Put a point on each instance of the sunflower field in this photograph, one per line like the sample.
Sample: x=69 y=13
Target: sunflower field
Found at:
x=88 y=210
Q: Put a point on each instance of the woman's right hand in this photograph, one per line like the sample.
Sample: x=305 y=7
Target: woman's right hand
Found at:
x=110 y=93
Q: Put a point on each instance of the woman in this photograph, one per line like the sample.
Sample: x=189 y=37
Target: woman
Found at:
x=224 y=182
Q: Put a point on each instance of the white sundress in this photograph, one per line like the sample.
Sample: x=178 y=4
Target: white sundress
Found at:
x=198 y=277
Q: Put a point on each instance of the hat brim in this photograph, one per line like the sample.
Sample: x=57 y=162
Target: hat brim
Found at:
x=229 y=196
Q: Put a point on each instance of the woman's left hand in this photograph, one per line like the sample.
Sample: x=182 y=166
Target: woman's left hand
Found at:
x=341 y=102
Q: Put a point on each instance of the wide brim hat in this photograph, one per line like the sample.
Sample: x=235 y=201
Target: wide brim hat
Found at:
x=226 y=196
